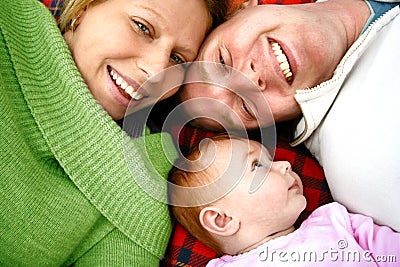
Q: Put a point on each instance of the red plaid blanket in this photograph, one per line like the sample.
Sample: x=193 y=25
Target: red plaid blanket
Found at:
x=184 y=249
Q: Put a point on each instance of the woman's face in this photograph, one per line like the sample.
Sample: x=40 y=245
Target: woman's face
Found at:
x=119 y=44
x=280 y=49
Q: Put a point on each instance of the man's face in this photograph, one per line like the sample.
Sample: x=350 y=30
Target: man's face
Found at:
x=278 y=48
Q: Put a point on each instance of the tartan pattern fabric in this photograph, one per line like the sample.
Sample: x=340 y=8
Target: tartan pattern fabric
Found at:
x=54 y=7
x=186 y=251
x=284 y=2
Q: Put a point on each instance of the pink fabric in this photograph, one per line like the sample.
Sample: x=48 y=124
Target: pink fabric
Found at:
x=329 y=237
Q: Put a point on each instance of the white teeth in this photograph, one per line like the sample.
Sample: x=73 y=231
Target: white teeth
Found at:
x=129 y=90
x=282 y=60
x=284 y=66
x=125 y=86
x=119 y=81
x=137 y=96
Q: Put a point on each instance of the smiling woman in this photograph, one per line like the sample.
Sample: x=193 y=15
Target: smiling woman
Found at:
x=134 y=40
x=67 y=194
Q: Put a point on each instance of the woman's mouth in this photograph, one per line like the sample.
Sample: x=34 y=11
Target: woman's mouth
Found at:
x=126 y=89
x=282 y=60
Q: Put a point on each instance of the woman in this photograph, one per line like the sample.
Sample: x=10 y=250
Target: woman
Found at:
x=330 y=66
x=67 y=194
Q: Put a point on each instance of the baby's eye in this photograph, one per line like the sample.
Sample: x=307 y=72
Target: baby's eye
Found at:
x=256 y=165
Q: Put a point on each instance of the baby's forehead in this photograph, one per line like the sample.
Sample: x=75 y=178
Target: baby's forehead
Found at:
x=222 y=150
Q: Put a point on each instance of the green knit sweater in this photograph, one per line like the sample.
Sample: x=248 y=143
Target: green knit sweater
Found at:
x=68 y=191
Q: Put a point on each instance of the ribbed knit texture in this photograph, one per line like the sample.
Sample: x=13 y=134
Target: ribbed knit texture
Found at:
x=63 y=161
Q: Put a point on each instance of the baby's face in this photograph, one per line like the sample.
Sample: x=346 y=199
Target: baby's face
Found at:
x=269 y=193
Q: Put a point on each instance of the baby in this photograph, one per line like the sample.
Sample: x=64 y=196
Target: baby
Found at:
x=250 y=216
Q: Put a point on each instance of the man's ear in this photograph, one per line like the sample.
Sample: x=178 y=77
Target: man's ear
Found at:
x=216 y=221
x=249 y=3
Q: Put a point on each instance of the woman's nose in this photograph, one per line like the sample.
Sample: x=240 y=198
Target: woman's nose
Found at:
x=154 y=63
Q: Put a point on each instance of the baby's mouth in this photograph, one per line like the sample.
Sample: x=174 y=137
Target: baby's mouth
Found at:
x=124 y=86
x=294 y=185
x=282 y=60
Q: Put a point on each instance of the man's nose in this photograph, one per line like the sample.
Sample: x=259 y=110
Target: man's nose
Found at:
x=255 y=74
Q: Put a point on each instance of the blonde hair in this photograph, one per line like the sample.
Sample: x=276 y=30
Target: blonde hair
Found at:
x=188 y=217
x=70 y=11
x=218 y=10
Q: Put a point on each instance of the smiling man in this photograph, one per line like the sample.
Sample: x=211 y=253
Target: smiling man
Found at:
x=275 y=57
x=329 y=66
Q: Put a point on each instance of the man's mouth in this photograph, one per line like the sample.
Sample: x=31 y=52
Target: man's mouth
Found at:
x=282 y=60
x=124 y=86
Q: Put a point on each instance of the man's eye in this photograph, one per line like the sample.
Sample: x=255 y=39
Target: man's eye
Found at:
x=246 y=110
x=221 y=60
x=245 y=107
x=176 y=59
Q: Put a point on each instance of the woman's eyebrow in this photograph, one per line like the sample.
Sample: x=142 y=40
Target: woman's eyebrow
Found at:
x=154 y=12
x=186 y=50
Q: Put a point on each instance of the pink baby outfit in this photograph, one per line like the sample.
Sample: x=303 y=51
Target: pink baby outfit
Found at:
x=329 y=237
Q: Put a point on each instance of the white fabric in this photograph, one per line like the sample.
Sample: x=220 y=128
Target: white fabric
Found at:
x=351 y=124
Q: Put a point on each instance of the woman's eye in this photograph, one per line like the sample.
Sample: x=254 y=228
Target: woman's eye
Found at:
x=176 y=59
x=143 y=28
